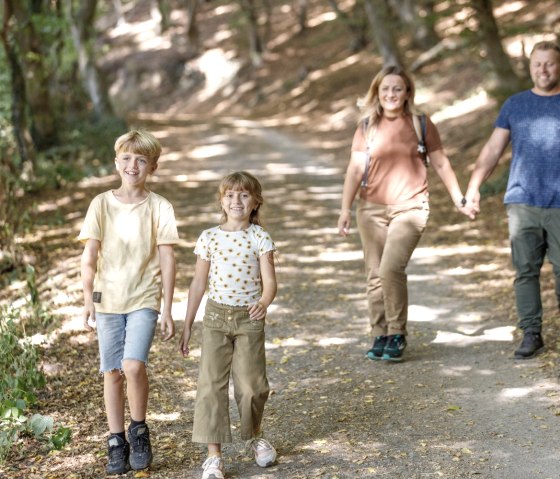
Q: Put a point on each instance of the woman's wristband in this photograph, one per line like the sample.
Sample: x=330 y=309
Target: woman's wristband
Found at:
x=461 y=203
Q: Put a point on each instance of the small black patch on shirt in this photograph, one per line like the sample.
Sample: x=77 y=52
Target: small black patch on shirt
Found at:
x=97 y=296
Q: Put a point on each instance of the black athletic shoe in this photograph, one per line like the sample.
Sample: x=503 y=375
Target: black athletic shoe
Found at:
x=531 y=345
x=140 y=447
x=394 y=349
x=376 y=351
x=118 y=455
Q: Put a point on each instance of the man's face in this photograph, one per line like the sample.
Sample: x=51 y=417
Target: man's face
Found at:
x=545 y=71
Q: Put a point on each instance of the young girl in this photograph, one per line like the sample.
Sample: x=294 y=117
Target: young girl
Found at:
x=236 y=259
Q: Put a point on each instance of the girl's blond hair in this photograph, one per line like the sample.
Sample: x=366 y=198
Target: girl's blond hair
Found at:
x=243 y=181
x=139 y=142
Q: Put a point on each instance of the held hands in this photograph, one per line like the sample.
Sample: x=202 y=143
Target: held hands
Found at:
x=470 y=206
x=257 y=311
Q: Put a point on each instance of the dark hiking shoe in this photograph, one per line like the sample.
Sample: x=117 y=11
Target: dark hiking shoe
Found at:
x=140 y=447
x=531 y=345
x=118 y=455
x=394 y=349
x=376 y=351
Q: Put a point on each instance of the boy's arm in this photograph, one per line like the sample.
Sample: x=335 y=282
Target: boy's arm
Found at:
x=168 y=271
x=196 y=292
x=88 y=269
x=268 y=276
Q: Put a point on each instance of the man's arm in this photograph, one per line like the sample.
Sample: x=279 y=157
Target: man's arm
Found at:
x=486 y=163
x=167 y=266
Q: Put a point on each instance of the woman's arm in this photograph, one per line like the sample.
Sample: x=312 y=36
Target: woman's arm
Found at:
x=354 y=175
x=442 y=166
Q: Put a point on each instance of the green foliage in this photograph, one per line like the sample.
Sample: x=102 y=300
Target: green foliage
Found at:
x=20 y=380
x=495 y=187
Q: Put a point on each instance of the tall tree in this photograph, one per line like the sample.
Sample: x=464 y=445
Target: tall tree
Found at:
x=488 y=29
x=380 y=20
x=26 y=43
x=81 y=25
x=164 y=13
x=256 y=44
x=356 y=24
x=193 y=34
x=417 y=16
x=19 y=101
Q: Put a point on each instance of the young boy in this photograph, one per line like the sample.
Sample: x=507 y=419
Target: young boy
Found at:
x=128 y=258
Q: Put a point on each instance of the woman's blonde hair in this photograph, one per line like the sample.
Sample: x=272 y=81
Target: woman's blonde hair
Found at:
x=370 y=106
x=243 y=181
x=139 y=142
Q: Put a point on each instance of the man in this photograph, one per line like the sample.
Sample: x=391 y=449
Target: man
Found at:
x=531 y=121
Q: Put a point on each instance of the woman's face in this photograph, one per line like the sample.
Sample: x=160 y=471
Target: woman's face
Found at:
x=392 y=95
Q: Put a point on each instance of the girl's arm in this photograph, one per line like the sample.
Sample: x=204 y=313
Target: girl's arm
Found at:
x=168 y=271
x=88 y=269
x=196 y=292
x=354 y=175
x=268 y=276
x=443 y=168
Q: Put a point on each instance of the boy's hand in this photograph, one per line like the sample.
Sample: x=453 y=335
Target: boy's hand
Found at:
x=88 y=316
x=184 y=342
x=167 y=326
x=257 y=311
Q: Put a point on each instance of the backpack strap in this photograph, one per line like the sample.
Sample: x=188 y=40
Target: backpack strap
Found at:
x=419 y=122
x=367 y=160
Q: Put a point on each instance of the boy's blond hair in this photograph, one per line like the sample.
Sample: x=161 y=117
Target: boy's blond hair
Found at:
x=139 y=142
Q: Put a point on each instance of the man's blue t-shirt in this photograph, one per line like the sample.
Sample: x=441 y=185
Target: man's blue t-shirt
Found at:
x=534 y=124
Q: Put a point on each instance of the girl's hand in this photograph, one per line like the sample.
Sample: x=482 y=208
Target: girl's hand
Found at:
x=257 y=311
x=184 y=342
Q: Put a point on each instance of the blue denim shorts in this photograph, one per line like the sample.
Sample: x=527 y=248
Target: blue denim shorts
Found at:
x=125 y=336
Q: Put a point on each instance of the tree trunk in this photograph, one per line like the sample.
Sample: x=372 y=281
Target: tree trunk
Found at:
x=19 y=117
x=300 y=7
x=256 y=47
x=418 y=16
x=81 y=25
x=30 y=55
x=377 y=12
x=164 y=13
x=193 y=34
x=499 y=60
x=356 y=25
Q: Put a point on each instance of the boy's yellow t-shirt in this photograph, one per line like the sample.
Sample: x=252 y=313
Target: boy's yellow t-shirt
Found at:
x=128 y=276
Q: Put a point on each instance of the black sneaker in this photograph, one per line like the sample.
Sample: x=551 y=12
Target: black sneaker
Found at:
x=118 y=455
x=531 y=345
x=394 y=349
x=376 y=351
x=140 y=447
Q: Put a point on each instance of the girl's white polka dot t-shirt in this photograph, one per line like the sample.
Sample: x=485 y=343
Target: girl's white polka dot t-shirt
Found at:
x=235 y=275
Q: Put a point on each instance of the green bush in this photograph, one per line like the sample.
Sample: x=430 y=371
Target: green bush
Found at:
x=20 y=380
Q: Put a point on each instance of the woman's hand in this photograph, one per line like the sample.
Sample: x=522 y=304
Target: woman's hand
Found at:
x=344 y=221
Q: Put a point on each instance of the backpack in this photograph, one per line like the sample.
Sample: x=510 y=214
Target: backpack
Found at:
x=419 y=122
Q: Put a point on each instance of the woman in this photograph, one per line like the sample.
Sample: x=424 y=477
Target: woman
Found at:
x=393 y=208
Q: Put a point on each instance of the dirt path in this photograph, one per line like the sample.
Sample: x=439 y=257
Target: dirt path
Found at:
x=458 y=407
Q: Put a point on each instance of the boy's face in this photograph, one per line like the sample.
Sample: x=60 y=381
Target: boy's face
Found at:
x=134 y=168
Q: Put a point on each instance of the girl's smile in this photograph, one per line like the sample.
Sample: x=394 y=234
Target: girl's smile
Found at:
x=238 y=206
